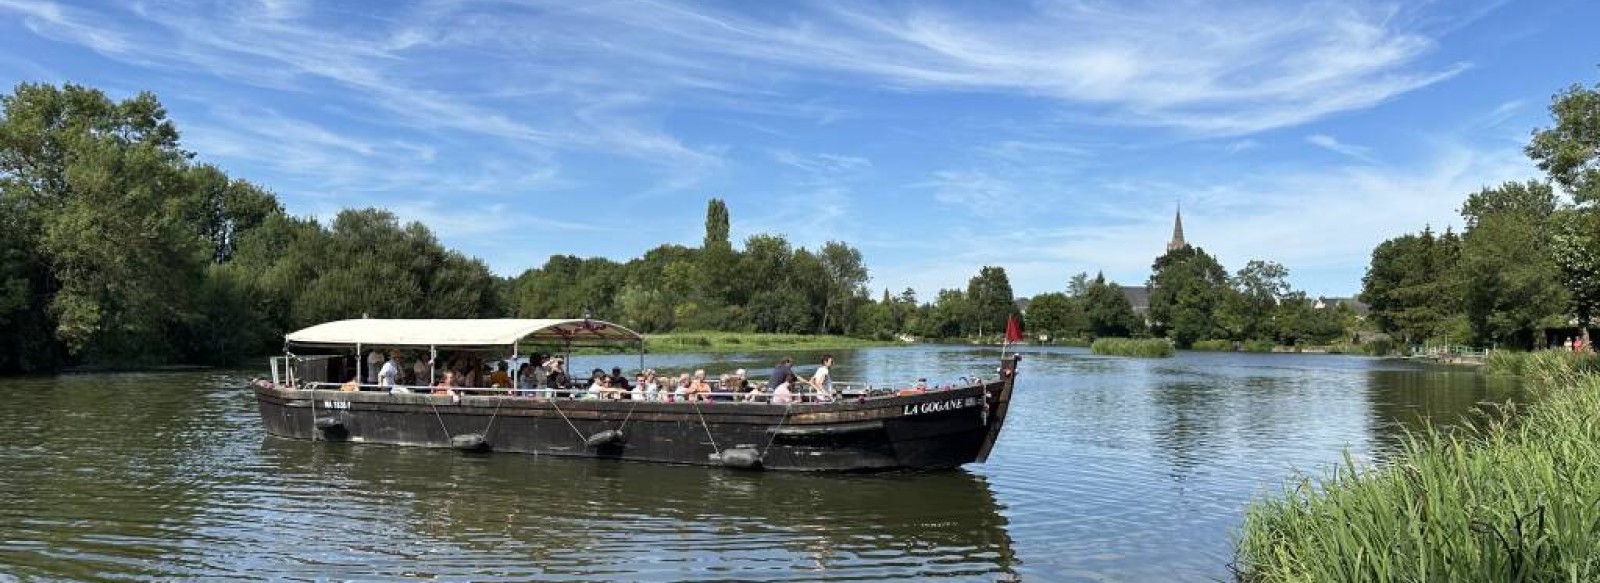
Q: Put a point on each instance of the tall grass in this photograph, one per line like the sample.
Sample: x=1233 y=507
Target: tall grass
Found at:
x=1138 y=347
x=1544 y=362
x=1212 y=345
x=1517 y=499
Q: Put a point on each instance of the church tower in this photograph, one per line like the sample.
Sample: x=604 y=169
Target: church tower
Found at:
x=1177 y=241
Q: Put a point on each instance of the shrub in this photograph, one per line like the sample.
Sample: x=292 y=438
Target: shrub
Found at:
x=1379 y=347
x=1543 y=363
x=1514 y=500
x=1212 y=345
x=1259 y=345
x=1142 y=348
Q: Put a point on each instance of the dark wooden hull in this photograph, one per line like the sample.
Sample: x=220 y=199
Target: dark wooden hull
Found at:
x=940 y=429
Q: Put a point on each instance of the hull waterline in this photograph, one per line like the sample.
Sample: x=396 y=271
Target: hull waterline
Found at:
x=933 y=430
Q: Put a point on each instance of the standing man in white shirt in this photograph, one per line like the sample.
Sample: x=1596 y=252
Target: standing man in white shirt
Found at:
x=822 y=380
x=391 y=373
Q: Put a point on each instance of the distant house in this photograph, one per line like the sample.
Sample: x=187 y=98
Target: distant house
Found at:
x=1355 y=305
x=1139 y=296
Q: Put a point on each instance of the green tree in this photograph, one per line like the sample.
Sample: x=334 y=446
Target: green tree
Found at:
x=1108 y=310
x=1186 y=288
x=845 y=280
x=1575 y=248
x=1057 y=315
x=947 y=316
x=718 y=262
x=1570 y=151
x=1410 y=285
x=1510 y=280
x=221 y=208
x=989 y=301
x=1078 y=284
x=99 y=186
x=1247 y=310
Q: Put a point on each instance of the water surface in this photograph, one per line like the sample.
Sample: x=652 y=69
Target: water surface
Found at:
x=1109 y=469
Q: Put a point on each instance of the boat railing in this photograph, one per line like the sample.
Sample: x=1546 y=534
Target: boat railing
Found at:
x=842 y=391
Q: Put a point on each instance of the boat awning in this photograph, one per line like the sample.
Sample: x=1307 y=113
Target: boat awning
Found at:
x=460 y=333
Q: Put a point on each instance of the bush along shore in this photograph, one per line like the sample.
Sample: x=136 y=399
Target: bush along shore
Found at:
x=1136 y=347
x=1515 y=499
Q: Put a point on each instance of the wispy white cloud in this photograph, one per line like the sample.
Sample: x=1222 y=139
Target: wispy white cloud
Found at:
x=1333 y=144
x=975 y=192
x=821 y=162
x=1211 y=68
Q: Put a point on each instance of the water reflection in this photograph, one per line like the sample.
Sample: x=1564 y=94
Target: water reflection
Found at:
x=593 y=520
x=1404 y=400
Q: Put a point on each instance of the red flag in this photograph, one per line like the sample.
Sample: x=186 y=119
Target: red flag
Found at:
x=1013 y=331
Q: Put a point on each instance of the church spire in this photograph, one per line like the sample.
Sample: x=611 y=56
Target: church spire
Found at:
x=1177 y=241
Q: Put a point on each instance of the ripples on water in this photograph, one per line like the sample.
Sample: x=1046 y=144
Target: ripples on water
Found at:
x=1109 y=470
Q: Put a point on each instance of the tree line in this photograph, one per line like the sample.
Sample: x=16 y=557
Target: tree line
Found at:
x=1525 y=265
x=118 y=248
x=1192 y=298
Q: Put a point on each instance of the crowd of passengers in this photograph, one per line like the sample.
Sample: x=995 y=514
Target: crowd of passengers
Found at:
x=549 y=378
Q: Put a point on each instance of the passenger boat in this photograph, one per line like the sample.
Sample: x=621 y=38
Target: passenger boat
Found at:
x=859 y=428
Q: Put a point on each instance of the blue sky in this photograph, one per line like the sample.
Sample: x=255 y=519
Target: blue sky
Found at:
x=1048 y=138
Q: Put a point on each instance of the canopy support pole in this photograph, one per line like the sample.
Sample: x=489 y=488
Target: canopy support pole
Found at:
x=433 y=365
x=361 y=375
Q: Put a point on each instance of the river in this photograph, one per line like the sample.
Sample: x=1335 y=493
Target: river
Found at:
x=1109 y=469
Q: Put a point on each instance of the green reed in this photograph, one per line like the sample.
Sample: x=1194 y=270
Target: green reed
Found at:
x=1212 y=345
x=1514 y=499
x=1137 y=347
x=1544 y=362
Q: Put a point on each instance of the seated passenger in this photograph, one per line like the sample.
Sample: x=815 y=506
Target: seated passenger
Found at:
x=353 y=385
x=501 y=377
x=680 y=390
x=782 y=394
x=597 y=384
x=757 y=394
x=620 y=383
x=699 y=389
x=525 y=380
x=447 y=386
x=555 y=377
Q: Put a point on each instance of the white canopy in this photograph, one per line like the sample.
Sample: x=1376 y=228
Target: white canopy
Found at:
x=458 y=333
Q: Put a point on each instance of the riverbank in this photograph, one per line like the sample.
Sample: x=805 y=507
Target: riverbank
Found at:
x=679 y=342
x=1511 y=500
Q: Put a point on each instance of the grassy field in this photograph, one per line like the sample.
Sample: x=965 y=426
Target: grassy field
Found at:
x=740 y=342
x=1515 y=500
x=1137 y=347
